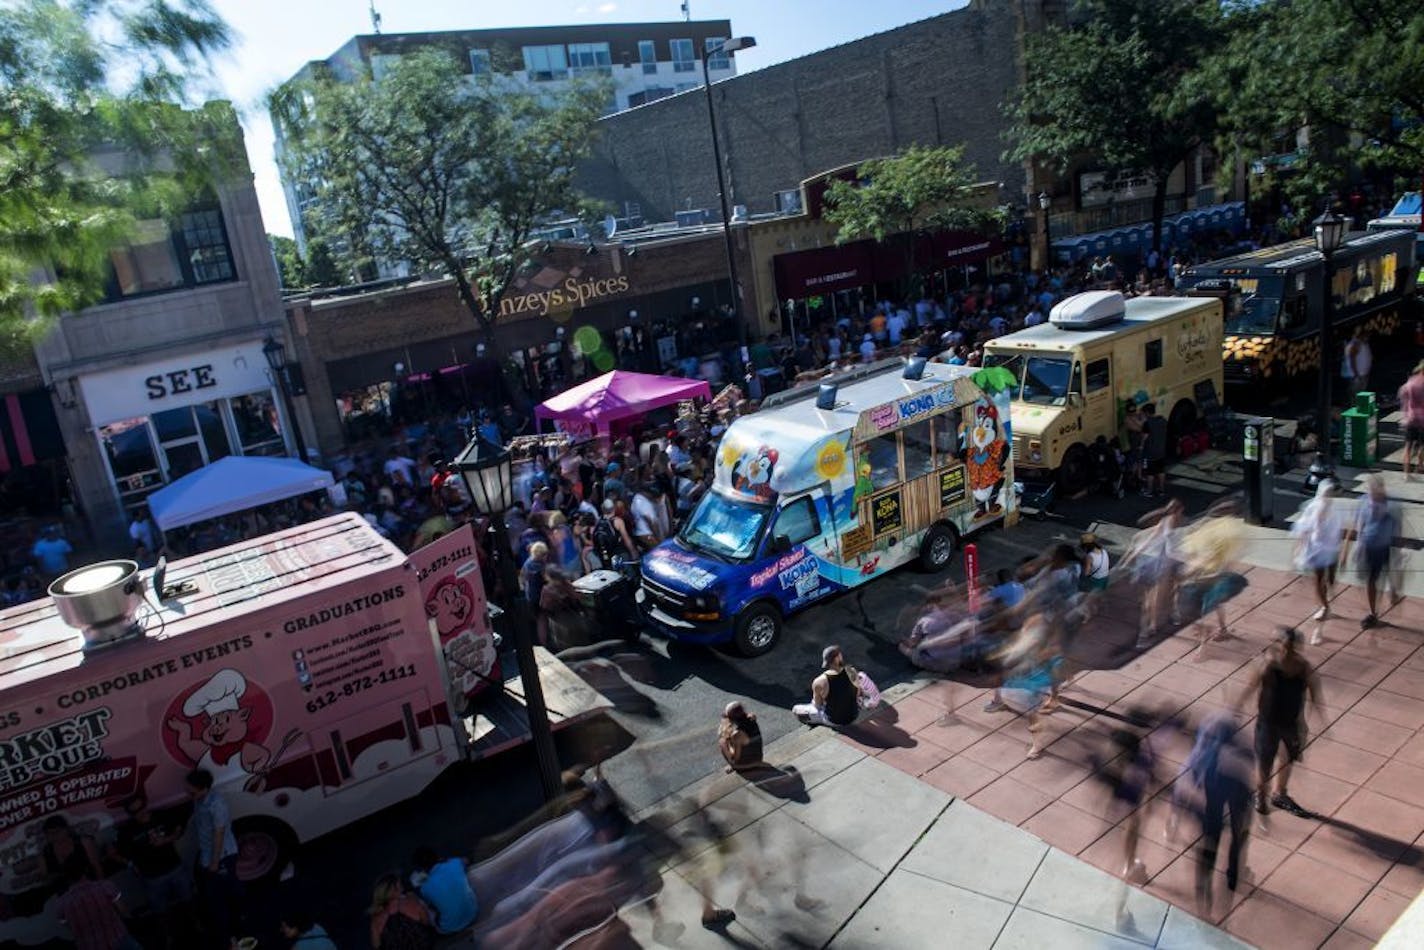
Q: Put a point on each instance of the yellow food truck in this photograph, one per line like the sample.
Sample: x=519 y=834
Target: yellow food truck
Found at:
x=1097 y=354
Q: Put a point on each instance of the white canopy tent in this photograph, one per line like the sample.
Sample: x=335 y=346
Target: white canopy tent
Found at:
x=232 y=484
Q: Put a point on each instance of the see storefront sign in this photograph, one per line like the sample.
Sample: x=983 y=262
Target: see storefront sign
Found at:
x=132 y=392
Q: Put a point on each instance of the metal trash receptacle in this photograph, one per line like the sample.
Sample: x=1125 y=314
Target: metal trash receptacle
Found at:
x=1359 y=433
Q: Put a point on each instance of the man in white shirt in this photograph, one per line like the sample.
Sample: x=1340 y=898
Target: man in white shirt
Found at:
x=1359 y=360
x=399 y=468
x=650 y=517
x=1034 y=318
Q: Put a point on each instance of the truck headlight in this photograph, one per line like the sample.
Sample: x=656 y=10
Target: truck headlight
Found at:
x=704 y=607
x=1035 y=451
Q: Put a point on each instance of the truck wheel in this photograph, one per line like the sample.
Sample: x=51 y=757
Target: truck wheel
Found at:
x=265 y=847
x=1073 y=472
x=758 y=630
x=937 y=549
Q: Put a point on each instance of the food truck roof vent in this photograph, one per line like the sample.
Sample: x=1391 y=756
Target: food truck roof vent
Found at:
x=1088 y=311
x=101 y=601
x=826 y=396
x=915 y=367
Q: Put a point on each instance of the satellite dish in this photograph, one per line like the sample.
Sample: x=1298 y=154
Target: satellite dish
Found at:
x=160 y=575
x=610 y=226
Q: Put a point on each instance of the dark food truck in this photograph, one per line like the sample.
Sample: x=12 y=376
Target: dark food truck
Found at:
x=1272 y=342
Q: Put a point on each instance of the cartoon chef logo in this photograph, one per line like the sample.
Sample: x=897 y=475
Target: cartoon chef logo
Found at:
x=751 y=474
x=221 y=725
x=452 y=606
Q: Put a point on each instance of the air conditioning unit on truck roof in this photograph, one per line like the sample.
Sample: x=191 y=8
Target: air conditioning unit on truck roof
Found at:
x=1089 y=311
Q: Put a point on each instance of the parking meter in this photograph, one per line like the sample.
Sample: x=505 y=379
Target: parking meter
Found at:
x=1258 y=445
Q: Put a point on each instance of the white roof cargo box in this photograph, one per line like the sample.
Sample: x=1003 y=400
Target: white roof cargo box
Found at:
x=1088 y=311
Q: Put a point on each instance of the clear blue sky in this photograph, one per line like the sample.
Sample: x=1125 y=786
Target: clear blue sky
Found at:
x=276 y=37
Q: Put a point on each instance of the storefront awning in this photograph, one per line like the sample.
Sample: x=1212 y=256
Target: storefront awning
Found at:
x=823 y=270
x=29 y=430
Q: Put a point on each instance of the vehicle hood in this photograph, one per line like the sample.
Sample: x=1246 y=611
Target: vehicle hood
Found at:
x=674 y=565
x=1032 y=420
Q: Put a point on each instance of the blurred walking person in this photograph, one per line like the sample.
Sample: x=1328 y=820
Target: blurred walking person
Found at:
x=1281 y=686
x=1318 y=533
x=1153 y=559
x=1411 y=406
x=1221 y=770
x=1377 y=524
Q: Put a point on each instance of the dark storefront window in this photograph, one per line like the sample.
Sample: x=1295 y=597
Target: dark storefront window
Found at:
x=160 y=257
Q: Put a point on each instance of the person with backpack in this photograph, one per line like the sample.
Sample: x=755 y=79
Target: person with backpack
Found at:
x=610 y=535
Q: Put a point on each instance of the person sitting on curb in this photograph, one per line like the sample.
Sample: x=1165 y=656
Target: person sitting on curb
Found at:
x=834 y=694
x=739 y=738
x=446 y=890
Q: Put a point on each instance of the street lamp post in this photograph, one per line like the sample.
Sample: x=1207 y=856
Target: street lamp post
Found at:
x=727 y=46
x=1329 y=234
x=486 y=471
x=1045 y=253
x=276 y=355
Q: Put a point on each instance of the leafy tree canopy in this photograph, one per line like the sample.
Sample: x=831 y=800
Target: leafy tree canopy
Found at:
x=93 y=138
x=291 y=269
x=1351 y=72
x=428 y=165
x=920 y=189
x=1110 y=87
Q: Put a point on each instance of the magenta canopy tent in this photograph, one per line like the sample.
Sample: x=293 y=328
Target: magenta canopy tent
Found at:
x=593 y=406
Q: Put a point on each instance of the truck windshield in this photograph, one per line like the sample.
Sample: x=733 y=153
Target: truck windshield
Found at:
x=1257 y=316
x=1045 y=380
x=725 y=528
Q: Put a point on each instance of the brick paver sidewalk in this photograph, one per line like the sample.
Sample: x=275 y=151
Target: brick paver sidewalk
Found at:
x=1337 y=880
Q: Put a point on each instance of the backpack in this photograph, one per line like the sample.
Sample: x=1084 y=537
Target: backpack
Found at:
x=605 y=540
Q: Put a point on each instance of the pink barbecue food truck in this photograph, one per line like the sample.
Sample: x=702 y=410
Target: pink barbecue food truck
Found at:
x=319 y=673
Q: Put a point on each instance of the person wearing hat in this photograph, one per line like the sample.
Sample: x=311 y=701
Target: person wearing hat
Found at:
x=1095 y=563
x=613 y=487
x=739 y=738
x=1411 y=406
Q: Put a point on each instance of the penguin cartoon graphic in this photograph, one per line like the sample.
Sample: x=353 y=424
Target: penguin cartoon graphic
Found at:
x=988 y=451
x=751 y=474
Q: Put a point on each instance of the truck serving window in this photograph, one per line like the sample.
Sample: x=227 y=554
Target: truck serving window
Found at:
x=1153 y=354
x=1045 y=380
x=725 y=528
x=1099 y=375
x=918 y=456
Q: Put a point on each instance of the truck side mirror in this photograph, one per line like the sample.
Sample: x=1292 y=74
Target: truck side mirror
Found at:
x=780 y=544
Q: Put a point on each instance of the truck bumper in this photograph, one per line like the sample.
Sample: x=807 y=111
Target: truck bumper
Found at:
x=661 y=622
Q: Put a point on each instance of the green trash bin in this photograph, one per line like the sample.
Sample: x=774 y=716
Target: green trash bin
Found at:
x=1359 y=436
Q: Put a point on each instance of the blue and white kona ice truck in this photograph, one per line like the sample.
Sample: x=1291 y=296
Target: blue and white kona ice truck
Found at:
x=828 y=487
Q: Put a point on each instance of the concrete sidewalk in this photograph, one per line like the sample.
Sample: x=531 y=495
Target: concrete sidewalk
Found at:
x=852 y=852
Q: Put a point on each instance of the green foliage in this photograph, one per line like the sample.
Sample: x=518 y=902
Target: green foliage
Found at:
x=92 y=138
x=321 y=267
x=1352 y=72
x=1114 y=86
x=922 y=188
x=291 y=269
x=428 y=165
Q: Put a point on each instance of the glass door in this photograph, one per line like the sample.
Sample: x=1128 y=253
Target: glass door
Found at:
x=183 y=457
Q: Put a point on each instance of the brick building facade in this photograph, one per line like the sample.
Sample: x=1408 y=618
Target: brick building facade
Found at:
x=939 y=81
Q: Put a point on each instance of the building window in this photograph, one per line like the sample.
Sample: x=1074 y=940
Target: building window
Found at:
x=479 y=62
x=205 y=241
x=1153 y=358
x=131 y=457
x=648 y=56
x=148 y=262
x=258 y=427
x=717 y=60
x=789 y=201
x=545 y=63
x=587 y=59
x=684 y=56
x=652 y=94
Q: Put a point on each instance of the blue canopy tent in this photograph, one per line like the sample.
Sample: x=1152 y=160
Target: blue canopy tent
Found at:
x=232 y=484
